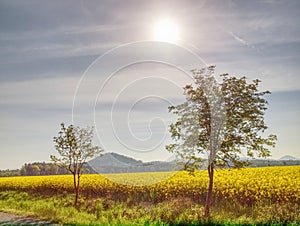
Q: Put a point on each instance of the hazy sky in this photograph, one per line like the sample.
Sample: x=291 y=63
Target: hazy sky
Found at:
x=99 y=63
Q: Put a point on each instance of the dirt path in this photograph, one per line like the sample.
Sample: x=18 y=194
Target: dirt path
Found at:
x=11 y=219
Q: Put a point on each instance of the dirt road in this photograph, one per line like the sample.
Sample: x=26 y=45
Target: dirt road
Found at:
x=11 y=219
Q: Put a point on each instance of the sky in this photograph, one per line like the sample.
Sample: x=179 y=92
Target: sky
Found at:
x=99 y=63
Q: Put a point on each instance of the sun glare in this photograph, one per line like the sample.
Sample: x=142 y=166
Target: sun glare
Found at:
x=166 y=31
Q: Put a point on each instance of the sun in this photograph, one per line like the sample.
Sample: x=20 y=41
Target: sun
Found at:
x=166 y=31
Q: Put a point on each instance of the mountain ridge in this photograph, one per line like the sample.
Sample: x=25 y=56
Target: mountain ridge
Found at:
x=112 y=162
x=116 y=163
x=288 y=157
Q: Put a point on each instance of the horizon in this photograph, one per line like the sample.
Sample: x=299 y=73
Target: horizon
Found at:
x=118 y=67
x=170 y=160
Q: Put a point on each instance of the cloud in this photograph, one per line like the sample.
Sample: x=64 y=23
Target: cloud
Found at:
x=44 y=93
x=45 y=47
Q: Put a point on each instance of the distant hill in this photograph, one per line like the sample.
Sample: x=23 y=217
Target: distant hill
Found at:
x=113 y=160
x=288 y=157
x=272 y=162
x=116 y=163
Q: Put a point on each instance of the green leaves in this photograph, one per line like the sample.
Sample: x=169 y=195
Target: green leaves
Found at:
x=74 y=146
x=220 y=120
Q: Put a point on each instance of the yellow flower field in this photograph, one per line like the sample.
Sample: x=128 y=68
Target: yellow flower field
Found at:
x=246 y=185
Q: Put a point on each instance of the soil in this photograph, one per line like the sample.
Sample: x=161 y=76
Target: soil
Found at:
x=11 y=219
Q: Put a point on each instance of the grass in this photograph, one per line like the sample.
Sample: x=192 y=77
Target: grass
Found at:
x=269 y=195
x=59 y=208
x=139 y=179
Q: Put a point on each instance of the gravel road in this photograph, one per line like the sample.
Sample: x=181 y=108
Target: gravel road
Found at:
x=11 y=219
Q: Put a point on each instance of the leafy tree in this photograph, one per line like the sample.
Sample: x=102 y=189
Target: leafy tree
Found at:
x=220 y=121
x=10 y=173
x=33 y=170
x=23 y=170
x=74 y=145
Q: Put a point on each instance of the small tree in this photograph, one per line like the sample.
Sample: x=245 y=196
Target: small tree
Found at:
x=220 y=120
x=74 y=145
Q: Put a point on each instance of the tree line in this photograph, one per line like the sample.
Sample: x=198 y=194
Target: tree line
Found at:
x=39 y=169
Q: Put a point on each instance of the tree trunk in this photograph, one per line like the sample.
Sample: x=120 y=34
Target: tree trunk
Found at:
x=210 y=187
x=76 y=197
x=75 y=189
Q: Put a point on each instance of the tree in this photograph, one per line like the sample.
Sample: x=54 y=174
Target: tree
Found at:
x=33 y=170
x=74 y=145
x=23 y=170
x=219 y=120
